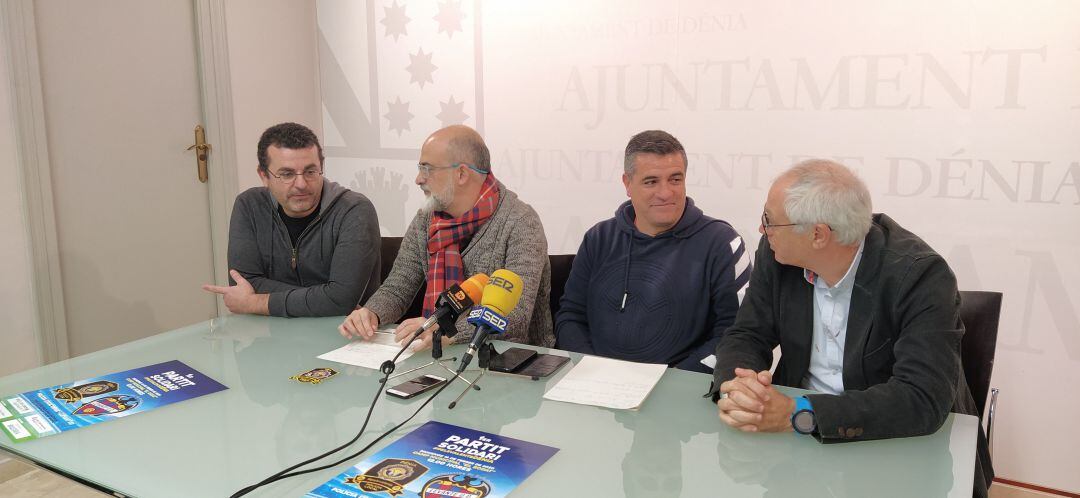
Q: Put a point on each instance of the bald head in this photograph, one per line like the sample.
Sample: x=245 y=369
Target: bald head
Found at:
x=462 y=145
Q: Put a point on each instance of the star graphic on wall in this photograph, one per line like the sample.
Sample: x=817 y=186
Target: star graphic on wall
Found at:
x=395 y=20
x=399 y=116
x=449 y=17
x=420 y=67
x=452 y=112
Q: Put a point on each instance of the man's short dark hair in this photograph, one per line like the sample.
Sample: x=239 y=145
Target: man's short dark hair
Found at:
x=286 y=136
x=657 y=142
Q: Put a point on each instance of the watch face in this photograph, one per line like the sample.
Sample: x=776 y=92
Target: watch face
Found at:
x=803 y=422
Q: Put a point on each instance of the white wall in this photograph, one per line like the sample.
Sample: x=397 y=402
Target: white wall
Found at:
x=18 y=342
x=962 y=116
x=274 y=69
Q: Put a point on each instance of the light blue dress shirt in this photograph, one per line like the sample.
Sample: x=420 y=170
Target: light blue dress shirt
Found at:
x=831 y=306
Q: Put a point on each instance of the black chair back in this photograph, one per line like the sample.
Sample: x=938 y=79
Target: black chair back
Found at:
x=980 y=311
x=560 y=271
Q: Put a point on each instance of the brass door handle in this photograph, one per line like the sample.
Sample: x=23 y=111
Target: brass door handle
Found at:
x=202 y=150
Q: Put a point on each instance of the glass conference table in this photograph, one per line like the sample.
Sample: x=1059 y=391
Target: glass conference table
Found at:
x=673 y=446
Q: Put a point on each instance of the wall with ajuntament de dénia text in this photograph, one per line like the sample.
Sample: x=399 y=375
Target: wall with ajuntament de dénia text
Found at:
x=962 y=117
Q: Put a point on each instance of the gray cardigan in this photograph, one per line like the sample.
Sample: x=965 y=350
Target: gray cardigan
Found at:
x=513 y=238
x=337 y=255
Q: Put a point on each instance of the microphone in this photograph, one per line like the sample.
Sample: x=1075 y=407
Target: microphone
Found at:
x=500 y=297
x=454 y=300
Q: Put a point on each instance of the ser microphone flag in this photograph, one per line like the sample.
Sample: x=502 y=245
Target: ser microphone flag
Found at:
x=501 y=296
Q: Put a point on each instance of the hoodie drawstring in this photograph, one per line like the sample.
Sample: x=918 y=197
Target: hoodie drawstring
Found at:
x=626 y=277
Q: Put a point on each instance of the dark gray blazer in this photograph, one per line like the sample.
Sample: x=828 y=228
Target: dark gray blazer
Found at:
x=902 y=372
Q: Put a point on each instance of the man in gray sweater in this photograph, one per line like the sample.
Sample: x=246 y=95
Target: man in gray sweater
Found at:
x=471 y=223
x=299 y=245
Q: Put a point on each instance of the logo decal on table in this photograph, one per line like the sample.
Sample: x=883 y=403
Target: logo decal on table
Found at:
x=315 y=375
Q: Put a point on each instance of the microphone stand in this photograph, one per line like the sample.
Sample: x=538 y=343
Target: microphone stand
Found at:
x=436 y=357
x=437 y=352
x=483 y=359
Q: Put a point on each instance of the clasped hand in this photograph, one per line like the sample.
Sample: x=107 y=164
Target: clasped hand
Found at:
x=750 y=403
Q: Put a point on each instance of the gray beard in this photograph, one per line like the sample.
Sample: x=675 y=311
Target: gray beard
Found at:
x=430 y=204
x=432 y=201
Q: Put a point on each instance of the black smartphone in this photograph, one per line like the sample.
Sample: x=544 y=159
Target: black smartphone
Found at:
x=543 y=366
x=416 y=386
x=511 y=360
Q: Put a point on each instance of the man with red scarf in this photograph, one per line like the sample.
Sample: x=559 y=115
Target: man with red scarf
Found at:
x=471 y=223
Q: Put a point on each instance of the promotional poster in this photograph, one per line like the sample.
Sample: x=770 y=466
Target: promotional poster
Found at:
x=438 y=460
x=84 y=402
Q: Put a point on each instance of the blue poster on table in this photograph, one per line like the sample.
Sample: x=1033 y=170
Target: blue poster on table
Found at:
x=50 y=411
x=439 y=460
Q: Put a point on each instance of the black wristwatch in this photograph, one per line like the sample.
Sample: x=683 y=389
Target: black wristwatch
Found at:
x=803 y=420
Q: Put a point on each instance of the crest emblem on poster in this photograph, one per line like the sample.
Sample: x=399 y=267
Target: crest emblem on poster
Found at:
x=77 y=393
x=458 y=485
x=108 y=405
x=389 y=476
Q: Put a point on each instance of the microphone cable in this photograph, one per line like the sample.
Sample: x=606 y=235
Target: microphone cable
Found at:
x=365 y=448
x=386 y=368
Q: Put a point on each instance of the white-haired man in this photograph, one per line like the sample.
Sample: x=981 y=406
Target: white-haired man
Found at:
x=865 y=312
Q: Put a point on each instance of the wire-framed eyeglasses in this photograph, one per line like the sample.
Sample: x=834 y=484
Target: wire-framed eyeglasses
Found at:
x=289 y=176
x=766 y=225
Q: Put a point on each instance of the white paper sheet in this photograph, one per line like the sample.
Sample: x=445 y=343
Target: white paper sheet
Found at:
x=368 y=354
x=609 y=383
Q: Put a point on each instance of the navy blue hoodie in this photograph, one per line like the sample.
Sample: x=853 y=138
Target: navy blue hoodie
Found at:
x=663 y=299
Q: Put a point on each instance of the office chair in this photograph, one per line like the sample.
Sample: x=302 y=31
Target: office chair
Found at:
x=560 y=272
x=981 y=311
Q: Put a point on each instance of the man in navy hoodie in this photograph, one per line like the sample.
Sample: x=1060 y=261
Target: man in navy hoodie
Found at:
x=659 y=282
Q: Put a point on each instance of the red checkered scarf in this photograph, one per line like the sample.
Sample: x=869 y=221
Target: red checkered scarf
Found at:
x=445 y=236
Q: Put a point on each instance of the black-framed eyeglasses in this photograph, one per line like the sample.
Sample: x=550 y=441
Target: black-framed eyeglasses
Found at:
x=766 y=225
x=289 y=176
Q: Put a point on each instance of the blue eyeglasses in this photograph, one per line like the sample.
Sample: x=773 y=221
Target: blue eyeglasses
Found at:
x=425 y=169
